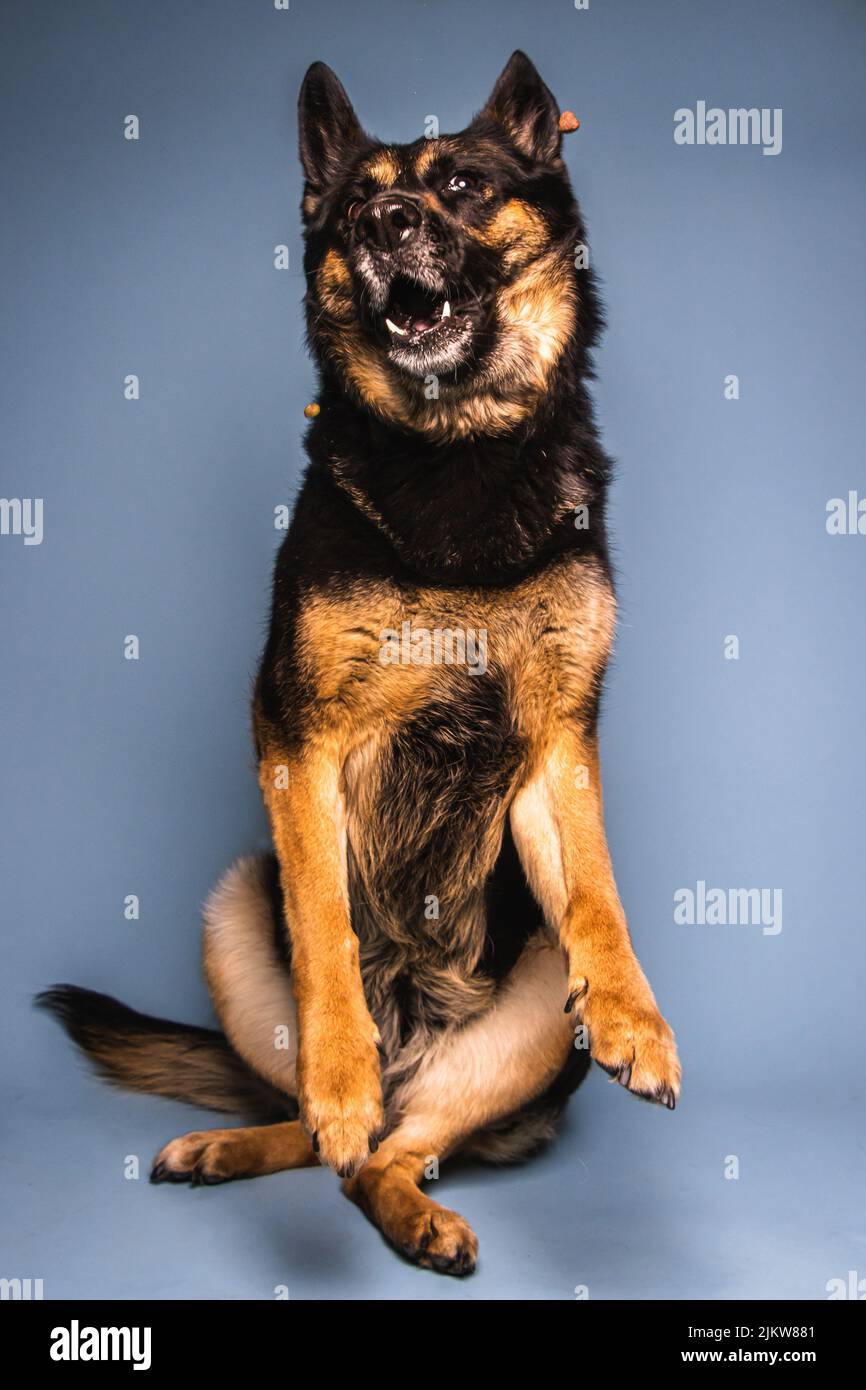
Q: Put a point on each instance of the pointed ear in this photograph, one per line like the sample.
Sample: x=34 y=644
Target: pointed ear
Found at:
x=526 y=108
x=328 y=127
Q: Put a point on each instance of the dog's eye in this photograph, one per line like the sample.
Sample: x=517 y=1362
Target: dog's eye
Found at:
x=353 y=209
x=461 y=182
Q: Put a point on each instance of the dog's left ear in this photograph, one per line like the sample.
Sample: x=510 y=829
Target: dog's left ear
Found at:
x=328 y=129
x=522 y=103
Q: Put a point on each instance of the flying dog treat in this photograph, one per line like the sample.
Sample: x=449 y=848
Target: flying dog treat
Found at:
x=311 y=411
x=568 y=121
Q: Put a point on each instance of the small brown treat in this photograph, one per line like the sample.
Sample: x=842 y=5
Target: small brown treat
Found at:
x=568 y=121
x=311 y=411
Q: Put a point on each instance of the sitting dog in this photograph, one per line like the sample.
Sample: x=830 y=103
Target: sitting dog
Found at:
x=436 y=949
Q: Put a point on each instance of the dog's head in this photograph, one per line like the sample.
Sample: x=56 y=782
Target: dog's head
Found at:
x=441 y=281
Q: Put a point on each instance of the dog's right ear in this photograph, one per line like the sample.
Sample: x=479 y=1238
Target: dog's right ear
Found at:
x=328 y=127
x=526 y=108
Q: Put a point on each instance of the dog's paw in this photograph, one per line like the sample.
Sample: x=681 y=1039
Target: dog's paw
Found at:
x=438 y=1239
x=340 y=1095
x=208 y=1157
x=629 y=1038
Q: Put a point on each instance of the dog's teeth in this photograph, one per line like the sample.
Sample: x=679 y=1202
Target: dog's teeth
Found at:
x=394 y=329
x=446 y=310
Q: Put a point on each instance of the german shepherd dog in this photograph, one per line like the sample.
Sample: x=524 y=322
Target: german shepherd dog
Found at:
x=437 y=947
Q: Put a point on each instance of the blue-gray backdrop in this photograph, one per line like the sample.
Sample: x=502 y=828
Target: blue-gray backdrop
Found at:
x=155 y=258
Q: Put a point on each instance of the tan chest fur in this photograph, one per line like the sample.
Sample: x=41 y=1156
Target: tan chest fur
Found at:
x=377 y=655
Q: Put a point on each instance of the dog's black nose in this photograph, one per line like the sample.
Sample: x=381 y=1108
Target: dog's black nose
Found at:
x=388 y=222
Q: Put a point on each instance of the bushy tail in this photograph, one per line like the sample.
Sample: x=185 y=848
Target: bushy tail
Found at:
x=177 y=1060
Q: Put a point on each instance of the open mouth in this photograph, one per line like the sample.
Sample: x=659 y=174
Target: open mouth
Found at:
x=426 y=330
x=413 y=312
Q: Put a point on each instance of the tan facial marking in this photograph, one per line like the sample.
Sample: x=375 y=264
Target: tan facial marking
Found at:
x=383 y=168
x=426 y=157
x=517 y=231
x=431 y=202
x=334 y=285
x=368 y=372
x=540 y=308
x=433 y=150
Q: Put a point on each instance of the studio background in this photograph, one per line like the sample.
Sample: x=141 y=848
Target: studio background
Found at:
x=155 y=257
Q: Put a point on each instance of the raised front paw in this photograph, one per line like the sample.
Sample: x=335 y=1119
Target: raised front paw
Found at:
x=340 y=1096
x=629 y=1038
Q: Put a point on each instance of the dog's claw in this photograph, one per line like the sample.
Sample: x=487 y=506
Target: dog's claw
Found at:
x=575 y=995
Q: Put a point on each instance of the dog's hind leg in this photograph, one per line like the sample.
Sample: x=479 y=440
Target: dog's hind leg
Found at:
x=218 y=1155
x=472 y=1078
x=247 y=973
x=250 y=986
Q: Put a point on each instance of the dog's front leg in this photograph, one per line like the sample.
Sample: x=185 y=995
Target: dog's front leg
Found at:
x=339 y=1085
x=558 y=827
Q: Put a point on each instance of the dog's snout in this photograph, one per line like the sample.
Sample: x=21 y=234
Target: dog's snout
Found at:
x=389 y=222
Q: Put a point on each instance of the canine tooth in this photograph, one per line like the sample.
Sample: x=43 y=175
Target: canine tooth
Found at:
x=446 y=310
x=394 y=329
